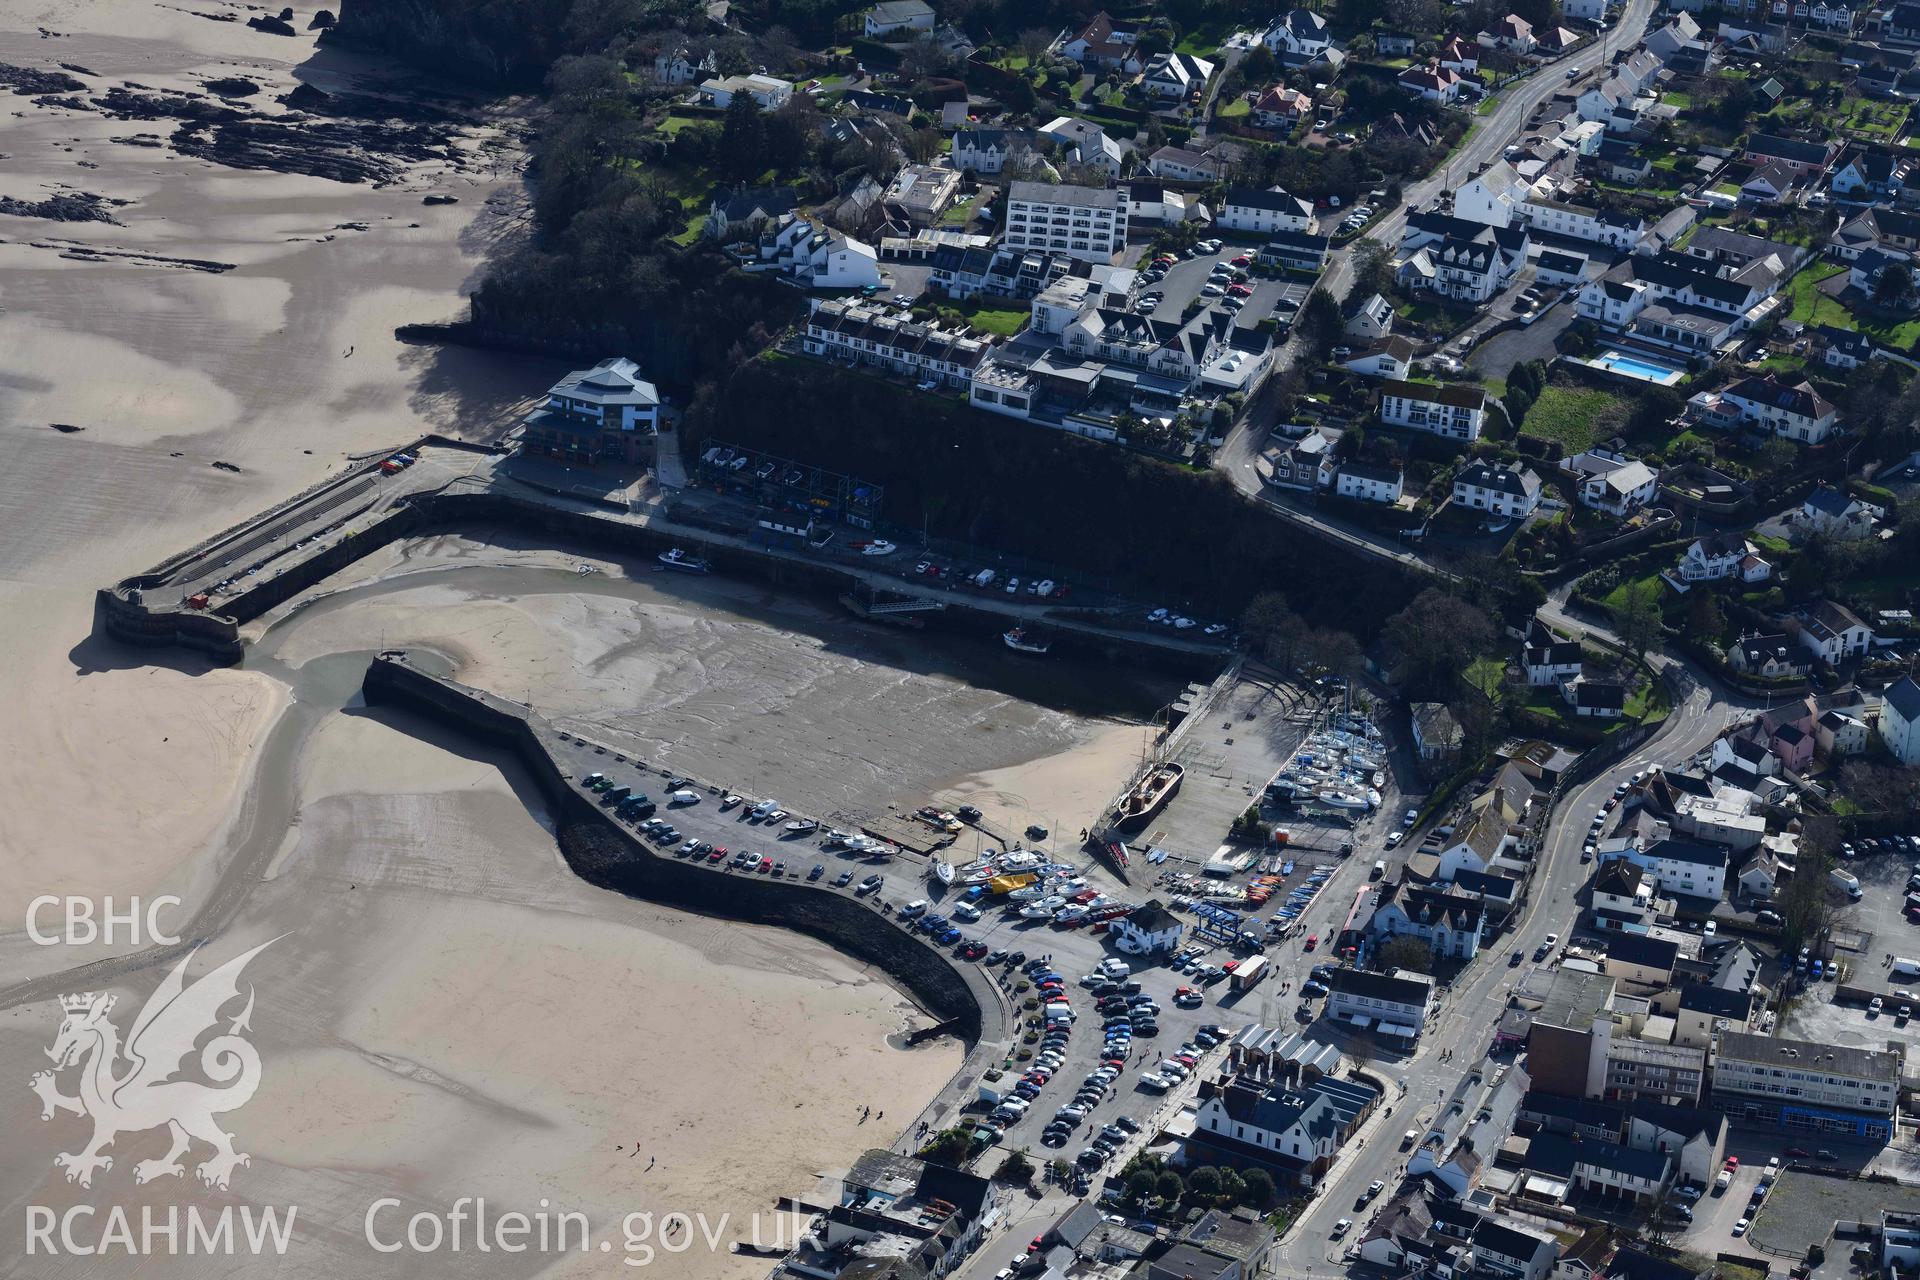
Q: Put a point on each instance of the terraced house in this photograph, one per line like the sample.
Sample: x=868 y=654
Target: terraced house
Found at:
x=863 y=333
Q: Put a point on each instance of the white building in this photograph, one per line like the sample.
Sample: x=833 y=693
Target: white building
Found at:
x=818 y=257
x=1393 y=1006
x=890 y=17
x=1176 y=75
x=1836 y=514
x=1088 y=223
x=1792 y=411
x=1301 y=33
x=1456 y=412
x=1508 y=491
x=1691 y=867
x=1369 y=483
x=769 y=92
x=1084 y=145
x=1834 y=633
x=1900 y=721
x=679 y=66
x=1720 y=556
x=1150 y=930
x=1246 y=209
x=988 y=151
x=608 y=411
x=1612 y=482
x=1390 y=357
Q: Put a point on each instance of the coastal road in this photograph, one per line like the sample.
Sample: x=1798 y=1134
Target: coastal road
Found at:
x=1464 y=1028
x=1489 y=137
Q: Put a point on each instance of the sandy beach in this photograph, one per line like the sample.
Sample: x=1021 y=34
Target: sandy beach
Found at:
x=444 y=1010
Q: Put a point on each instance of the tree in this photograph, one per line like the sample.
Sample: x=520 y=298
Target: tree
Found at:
x=1204 y=1182
x=1706 y=620
x=1017 y=1169
x=1260 y=1191
x=1439 y=634
x=1637 y=616
x=1894 y=284
x=949 y=1146
x=1320 y=321
x=1141 y=1184
x=1775 y=457
x=1169 y=1187
x=1803 y=906
x=1372 y=271
x=1031 y=44
x=743 y=139
x=1407 y=953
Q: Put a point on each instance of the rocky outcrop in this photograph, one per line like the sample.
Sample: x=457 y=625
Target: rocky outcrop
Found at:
x=68 y=206
x=30 y=80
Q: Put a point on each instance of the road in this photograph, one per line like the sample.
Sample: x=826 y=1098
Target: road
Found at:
x=1490 y=136
x=1701 y=710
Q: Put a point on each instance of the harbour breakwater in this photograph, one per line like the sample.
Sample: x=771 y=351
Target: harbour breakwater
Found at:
x=608 y=856
x=154 y=609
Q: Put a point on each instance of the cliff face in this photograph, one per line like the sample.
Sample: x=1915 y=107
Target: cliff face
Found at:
x=505 y=46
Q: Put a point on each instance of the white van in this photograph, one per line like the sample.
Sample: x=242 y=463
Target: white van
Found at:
x=686 y=797
x=1904 y=968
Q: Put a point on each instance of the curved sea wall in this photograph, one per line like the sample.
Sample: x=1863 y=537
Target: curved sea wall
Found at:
x=145 y=610
x=607 y=855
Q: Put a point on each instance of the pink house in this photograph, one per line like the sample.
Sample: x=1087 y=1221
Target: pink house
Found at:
x=1791 y=735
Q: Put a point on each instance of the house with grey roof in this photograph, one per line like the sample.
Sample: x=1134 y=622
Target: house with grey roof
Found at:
x=1291 y=1125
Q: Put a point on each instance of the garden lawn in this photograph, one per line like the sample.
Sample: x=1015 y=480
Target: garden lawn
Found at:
x=1237 y=108
x=1810 y=306
x=989 y=319
x=1571 y=414
x=1617 y=597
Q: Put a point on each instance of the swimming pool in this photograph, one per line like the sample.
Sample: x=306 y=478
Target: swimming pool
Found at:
x=1626 y=366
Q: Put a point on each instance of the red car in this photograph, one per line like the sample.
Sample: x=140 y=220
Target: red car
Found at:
x=1732 y=1162
x=1239 y=290
x=1313 y=940
x=1798 y=1153
x=1244 y=260
x=766 y=865
x=1230 y=965
x=716 y=855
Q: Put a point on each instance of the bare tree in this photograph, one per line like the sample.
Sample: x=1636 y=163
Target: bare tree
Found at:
x=1637 y=617
x=1032 y=44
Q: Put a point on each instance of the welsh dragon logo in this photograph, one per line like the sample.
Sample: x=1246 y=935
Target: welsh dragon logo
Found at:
x=131 y=1088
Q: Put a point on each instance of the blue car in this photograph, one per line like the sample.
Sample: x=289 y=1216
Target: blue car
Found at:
x=949 y=937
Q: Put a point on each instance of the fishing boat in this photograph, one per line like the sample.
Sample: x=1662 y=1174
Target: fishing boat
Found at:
x=1342 y=799
x=684 y=561
x=1149 y=797
x=1019 y=641
x=802 y=827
